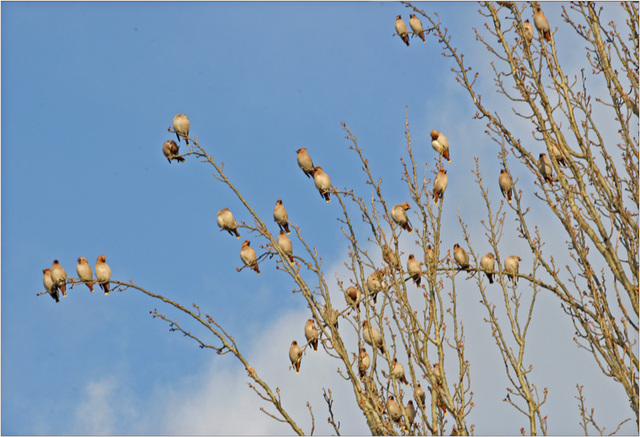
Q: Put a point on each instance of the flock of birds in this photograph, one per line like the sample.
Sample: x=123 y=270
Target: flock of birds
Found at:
x=55 y=278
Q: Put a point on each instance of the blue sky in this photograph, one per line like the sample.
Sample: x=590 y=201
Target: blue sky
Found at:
x=88 y=92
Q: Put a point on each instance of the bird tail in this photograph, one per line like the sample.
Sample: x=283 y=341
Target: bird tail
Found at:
x=237 y=233
x=179 y=158
x=446 y=155
x=547 y=35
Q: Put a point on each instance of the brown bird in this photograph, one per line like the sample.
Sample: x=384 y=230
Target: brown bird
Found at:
x=414 y=270
x=280 y=216
x=172 y=151
x=545 y=167
x=401 y=30
x=305 y=162
x=410 y=411
x=103 y=273
x=461 y=257
x=488 y=262
x=248 y=256
x=416 y=26
x=556 y=153
x=363 y=362
x=181 y=127
x=397 y=371
x=295 y=355
x=227 y=222
x=51 y=288
x=399 y=216
x=527 y=31
x=375 y=283
x=84 y=272
x=511 y=266
x=505 y=184
x=311 y=334
x=59 y=277
x=352 y=296
x=440 y=144
x=390 y=257
x=431 y=256
x=541 y=22
x=285 y=244
x=419 y=395
x=395 y=413
x=323 y=182
x=375 y=335
x=331 y=316
x=440 y=184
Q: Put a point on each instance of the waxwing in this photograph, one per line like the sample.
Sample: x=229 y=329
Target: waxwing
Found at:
x=397 y=371
x=323 y=183
x=413 y=268
x=488 y=262
x=59 y=277
x=227 y=222
x=281 y=217
x=440 y=144
x=431 y=256
x=248 y=256
x=390 y=257
x=545 y=167
x=172 y=151
x=440 y=184
x=410 y=411
x=395 y=413
x=181 y=127
x=438 y=397
x=505 y=184
x=375 y=283
x=557 y=154
x=399 y=216
x=511 y=266
x=331 y=316
x=84 y=272
x=311 y=334
x=461 y=257
x=363 y=362
x=527 y=31
x=305 y=162
x=285 y=244
x=51 y=288
x=352 y=296
x=401 y=30
x=419 y=395
x=541 y=22
x=375 y=334
x=416 y=26
x=295 y=355
x=103 y=273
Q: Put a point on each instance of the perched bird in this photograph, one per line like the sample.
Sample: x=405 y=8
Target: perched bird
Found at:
x=390 y=257
x=280 y=216
x=103 y=273
x=248 y=256
x=414 y=270
x=461 y=257
x=305 y=162
x=51 y=288
x=505 y=184
x=410 y=411
x=295 y=355
x=59 y=277
x=438 y=397
x=363 y=362
x=331 y=316
x=436 y=371
x=440 y=184
x=323 y=182
x=546 y=170
x=397 y=371
x=399 y=216
x=84 y=272
x=419 y=395
x=181 y=127
x=511 y=266
x=401 y=30
x=527 y=31
x=431 y=256
x=172 y=151
x=395 y=413
x=440 y=144
x=352 y=296
x=541 y=22
x=285 y=244
x=488 y=262
x=557 y=154
x=311 y=334
x=227 y=222
x=375 y=283
x=416 y=26
x=375 y=335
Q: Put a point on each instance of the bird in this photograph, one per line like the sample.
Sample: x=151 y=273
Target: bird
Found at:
x=390 y=257
x=505 y=184
x=227 y=222
x=84 y=272
x=295 y=355
x=541 y=22
x=419 y=395
x=181 y=127
x=103 y=273
x=416 y=26
x=172 y=151
x=461 y=257
x=375 y=283
x=440 y=144
x=440 y=184
x=363 y=362
x=331 y=316
x=556 y=153
x=248 y=256
x=414 y=270
x=285 y=244
x=59 y=277
x=375 y=335
x=352 y=296
x=527 y=31
x=323 y=182
x=401 y=30
x=399 y=216
x=546 y=170
x=311 y=334
x=487 y=262
x=430 y=256
x=305 y=162
x=280 y=216
x=395 y=413
x=51 y=288
x=511 y=266
x=410 y=411
x=397 y=371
